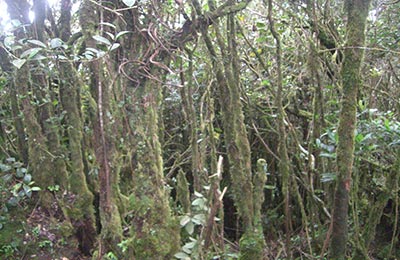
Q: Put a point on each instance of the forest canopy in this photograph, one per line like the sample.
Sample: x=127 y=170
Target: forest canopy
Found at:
x=199 y=129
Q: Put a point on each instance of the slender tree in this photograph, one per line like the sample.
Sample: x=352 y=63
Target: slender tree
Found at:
x=284 y=163
x=357 y=12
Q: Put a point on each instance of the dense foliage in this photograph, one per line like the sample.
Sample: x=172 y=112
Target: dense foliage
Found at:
x=199 y=129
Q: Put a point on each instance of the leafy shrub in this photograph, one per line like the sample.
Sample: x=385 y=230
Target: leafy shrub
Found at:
x=16 y=187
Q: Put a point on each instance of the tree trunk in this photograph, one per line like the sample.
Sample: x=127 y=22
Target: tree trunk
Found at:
x=104 y=129
x=357 y=12
x=236 y=141
x=40 y=161
x=154 y=229
x=284 y=163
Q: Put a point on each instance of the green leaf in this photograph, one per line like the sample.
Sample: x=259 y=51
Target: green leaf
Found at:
x=102 y=39
x=359 y=137
x=27 y=189
x=270 y=187
x=10 y=160
x=184 y=220
x=27 y=178
x=16 y=23
x=18 y=63
x=182 y=255
x=190 y=245
x=110 y=35
x=38 y=43
x=17 y=164
x=36 y=189
x=198 y=195
x=39 y=57
x=30 y=53
x=186 y=250
x=129 y=3
x=114 y=46
x=189 y=228
x=199 y=219
x=7 y=177
x=56 y=43
x=109 y=24
x=328 y=155
x=121 y=34
x=13 y=201
x=328 y=177
x=265 y=82
x=387 y=124
x=9 y=41
x=260 y=24
x=90 y=53
x=20 y=172
x=4 y=167
x=198 y=202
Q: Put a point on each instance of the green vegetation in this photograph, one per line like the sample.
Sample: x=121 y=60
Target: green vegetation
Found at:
x=199 y=129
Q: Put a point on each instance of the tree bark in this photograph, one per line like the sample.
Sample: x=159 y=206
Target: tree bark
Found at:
x=284 y=163
x=110 y=219
x=357 y=12
x=236 y=141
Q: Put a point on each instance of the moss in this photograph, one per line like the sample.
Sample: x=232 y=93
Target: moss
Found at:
x=66 y=229
x=155 y=232
x=356 y=23
x=158 y=243
x=251 y=246
x=8 y=232
x=182 y=192
x=259 y=180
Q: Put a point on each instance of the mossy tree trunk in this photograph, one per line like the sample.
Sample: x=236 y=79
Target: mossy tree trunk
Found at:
x=40 y=156
x=19 y=125
x=15 y=106
x=237 y=145
x=357 y=12
x=236 y=141
x=155 y=232
x=198 y=173
x=376 y=210
x=104 y=130
x=42 y=91
x=284 y=163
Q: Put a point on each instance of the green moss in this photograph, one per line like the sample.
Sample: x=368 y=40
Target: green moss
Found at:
x=66 y=229
x=83 y=207
x=182 y=192
x=259 y=180
x=8 y=232
x=156 y=242
x=155 y=233
x=251 y=246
